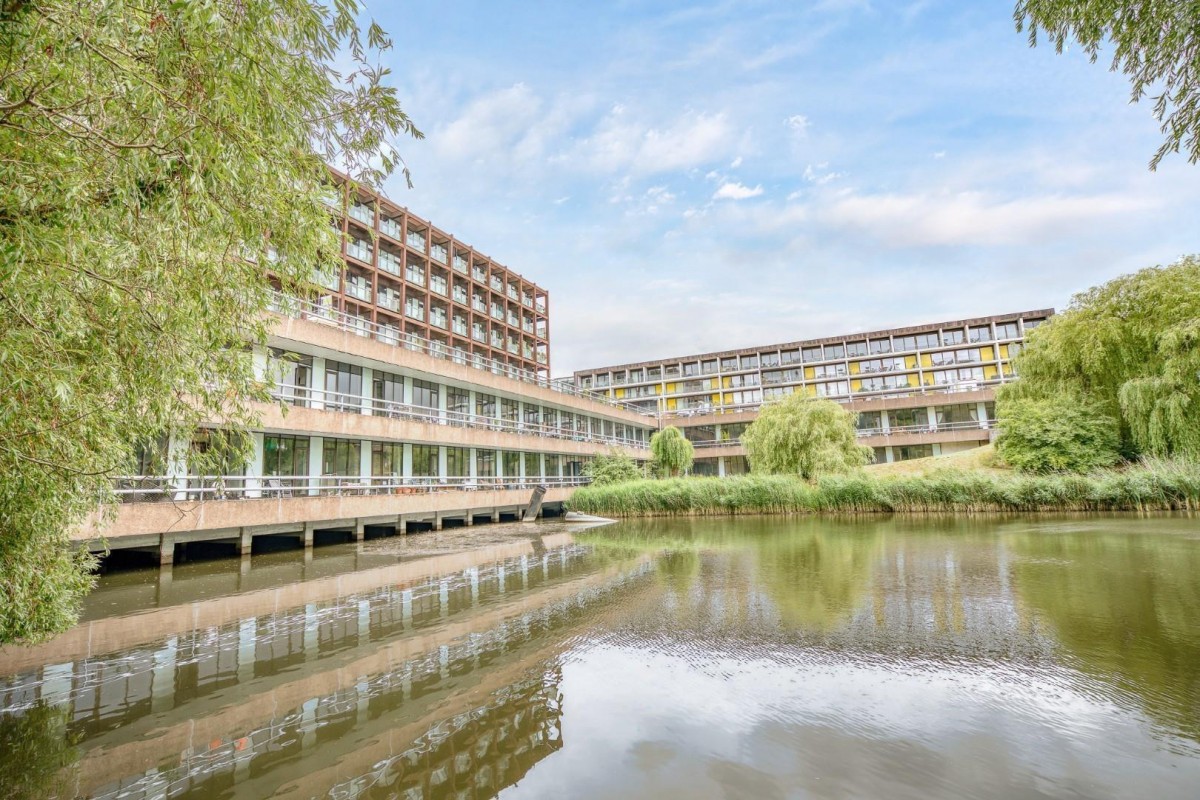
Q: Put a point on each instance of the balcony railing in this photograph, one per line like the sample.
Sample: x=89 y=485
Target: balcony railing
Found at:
x=359 y=250
x=389 y=263
x=304 y=309
x=364 y=214
x=358 y=289
x=391 y=228
x=357 y=404
x=439 y=253
x=389 y=300
x=162 y=488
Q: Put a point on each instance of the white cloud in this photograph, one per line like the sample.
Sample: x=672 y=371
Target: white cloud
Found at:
x=798 y=123
x=975 y=218
x=819 y=177
x=736 y=191
x=492 y=123
x=737 y=162
x=622 y=144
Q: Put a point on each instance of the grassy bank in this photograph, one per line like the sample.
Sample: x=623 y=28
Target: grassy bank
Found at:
x=1158 y=486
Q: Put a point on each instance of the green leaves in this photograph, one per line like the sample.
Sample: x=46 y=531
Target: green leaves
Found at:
x=671 y=450
x=804 y=436
x=150 y=156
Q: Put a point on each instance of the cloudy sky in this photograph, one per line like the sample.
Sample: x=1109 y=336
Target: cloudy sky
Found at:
x=689 y=177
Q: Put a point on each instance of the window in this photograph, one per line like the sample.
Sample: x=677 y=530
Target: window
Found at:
x=691 y=370
x=343 y=386
x=1007 y=330
x=790 y=357
x=485 y=463
x=341 y=457
x=618 y=378
x=881 y=345
x=729 y=365
x=910 y=418
x=744 y=380
x=954 y=336
x=869 y=421
x=425 y=394
x=387 y=388
x=835 y=351
x=905 y=343
x=671 y=371
x=294 y=372
x=829 y=371
x=811 y=354
x=424 y=461
x=533 y=465
x=550 y=417
x=602 y=381
x=635 y=376
x=653 y=373
x=855 y=349
x=586 y=381
x=927 y=340
x=708 y=367
x=485 y=405
x=285 y=455
x=512 y=464
x=510 y=410
x=458 y=464
x=911 y=451
x=750 y=362
x=1030 y=324
x=982 y=333
x=769 y=359
x=833 y=389
x=387 y=458
x=552 y=466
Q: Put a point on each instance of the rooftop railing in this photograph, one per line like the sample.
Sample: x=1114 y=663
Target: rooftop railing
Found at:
x=298 y=308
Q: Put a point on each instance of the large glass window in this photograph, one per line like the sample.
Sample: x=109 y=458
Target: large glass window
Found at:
x=425 y=394
x=811 y=353
x=285 y=455
x=835 y=351
x=1007 y=330
x=927 y=340
x=387 y=388
x=881 y=345
x=458 y=463
x=552 y=465
x=387 y=459
x=341 y=457
x=425 y=461
x=982 y=333
x=510 y=410
x=750 y=362
x=294 y=374
x=533 y=465
x=485 y=463
x=458 y=401
x=908 y=418
x=691 y=369
x=485 y=404
x=855 y=349
x=343 y=386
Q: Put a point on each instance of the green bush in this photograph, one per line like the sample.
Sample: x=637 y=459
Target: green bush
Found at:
x=671 y=450
x=612 y=468
x=804 y=436
x=1057 y=434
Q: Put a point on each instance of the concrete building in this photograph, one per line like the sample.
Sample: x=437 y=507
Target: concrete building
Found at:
x=919 y=391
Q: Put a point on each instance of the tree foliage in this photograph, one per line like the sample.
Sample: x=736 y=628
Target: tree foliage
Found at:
x=160 y=161
x=1130 y=348
x=1154 y=42
x=1059 y=434
x=804 y=436
x=671 y=450
x=614 y=467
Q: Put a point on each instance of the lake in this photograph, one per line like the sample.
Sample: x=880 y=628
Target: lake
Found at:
x=772 y=657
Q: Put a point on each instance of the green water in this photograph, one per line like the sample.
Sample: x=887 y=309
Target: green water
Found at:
x=766 y=657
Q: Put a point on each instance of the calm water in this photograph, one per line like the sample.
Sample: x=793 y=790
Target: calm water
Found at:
x=752 y=658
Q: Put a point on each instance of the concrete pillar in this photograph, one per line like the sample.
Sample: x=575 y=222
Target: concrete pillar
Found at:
x=931 y=412
x=178 y=445
x=443 y=461
x=309 y=528
x=254 y=468
x=360 y=531
x=437 y=520
x=316 y=446
x=721 y=466
x=245 y=541
x=495 y=514
x=364 y=459
x=443 y=399
x=469 y=519
x=401 y=525
x=166 y=549
x=890 y=456
x=472 y=467
x=318 y=379
x=367 y=375
x=406 y=460
x=982 y=415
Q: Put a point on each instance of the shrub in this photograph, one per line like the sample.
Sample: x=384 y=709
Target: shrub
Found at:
x=1058 y=434
x=804 y=436
x=612 y=467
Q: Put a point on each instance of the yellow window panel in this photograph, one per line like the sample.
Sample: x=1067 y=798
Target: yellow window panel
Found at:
x=1004 y=351
x=987 y=353
x=929 y=379
x=671 y=404
x=854 y=368
x=910 y=362
x=670 y=388
x=729 y=399
x=926 y=360
x=716 y=398
x=728 y=383
x=620 y=392
x=989 y=371
x=809 y=373
x=856 y=386
x=811 y=391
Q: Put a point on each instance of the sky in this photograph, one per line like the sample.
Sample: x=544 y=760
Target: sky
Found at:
x=689 y=177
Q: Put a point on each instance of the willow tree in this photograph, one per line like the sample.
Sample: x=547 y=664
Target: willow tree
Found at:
x=157 y=161
x=1129 y=348
x=1156 y=43
x=804 y=436
x=671 y=450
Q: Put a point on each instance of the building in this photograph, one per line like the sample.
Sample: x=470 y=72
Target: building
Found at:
x=408 y=278
x=412 y=391
x=919 y=391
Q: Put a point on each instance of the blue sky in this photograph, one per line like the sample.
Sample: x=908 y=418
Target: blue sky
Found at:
x=691 y=177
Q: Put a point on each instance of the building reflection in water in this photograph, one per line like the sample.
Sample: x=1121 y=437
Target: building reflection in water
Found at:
x=371 y=685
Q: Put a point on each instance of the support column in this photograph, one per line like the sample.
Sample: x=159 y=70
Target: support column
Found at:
x=931 y=412
x=469 y=519
x=317 y=399
x=406 y=461
x=176 y=466
x=316 y=450
x=360 y=531
x=309 y=528
x=245 y=542
x=495 y=514
x=254 y=468
x=364 y=460
x=401 y=525
x=437 y=520
x=367 y=375
x=721 y=466
x=982 y=415
x=166 y=549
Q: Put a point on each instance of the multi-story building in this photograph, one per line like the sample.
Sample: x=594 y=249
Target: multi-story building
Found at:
x=414 y=389
x=919 y=391
x=411 y=279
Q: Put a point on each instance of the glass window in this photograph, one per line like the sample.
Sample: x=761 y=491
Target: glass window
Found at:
x=510 y=410
x=635 y=376
x=653 y=373
x=881 y=345
x=512 y=464
x=294 y=374
x=835 y=351
x=811 y=354
x=1007 y=330
x=618 y=377
x=387 y=458
x=691 y=370
x=953 y=336
x=791 y=357
x=387 y=388
x=904 y=343
x=729 y=365
x=982 y=333
x=1030 y=324
x=485 y=463
x=671 y=371
x=285 y=455
x=485 y=405
x=425 y=394
x=341 y=457
x=750 y=362
x=927 y=340
x=708 y=367
x=552 y=465
x=533 y=465
x=458 y=464
x=343 y=386
x=424 y=461
x=769 y=359
x=458 y=400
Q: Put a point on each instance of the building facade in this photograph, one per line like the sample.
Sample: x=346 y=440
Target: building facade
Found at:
x=919 y=391
x=409 y=278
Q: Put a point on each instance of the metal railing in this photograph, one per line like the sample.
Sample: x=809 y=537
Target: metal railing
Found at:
x=929 y=390
x=303 y=309
x=162 y=488
x=941 y=427
x=321 y=399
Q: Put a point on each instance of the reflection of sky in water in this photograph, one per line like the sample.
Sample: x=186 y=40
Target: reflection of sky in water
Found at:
x=801 y=723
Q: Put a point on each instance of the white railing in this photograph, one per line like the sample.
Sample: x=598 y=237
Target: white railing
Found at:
x=161 y=488
x=321 y=399
x=942 y=427
x=304 y=309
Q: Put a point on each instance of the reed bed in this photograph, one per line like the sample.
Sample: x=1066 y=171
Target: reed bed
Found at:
x=1147 y=486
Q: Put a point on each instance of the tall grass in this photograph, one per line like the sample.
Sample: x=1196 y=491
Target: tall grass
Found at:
x=1150 y=486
